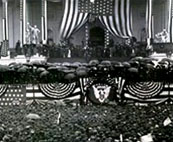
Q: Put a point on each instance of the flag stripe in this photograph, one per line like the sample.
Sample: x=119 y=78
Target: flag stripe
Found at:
x=72 y=19
x=64 y=18
x=119 y=24
x=128 y=12
x=82 y=21
x=117 y=18
x=69 y=18
x=123 y=16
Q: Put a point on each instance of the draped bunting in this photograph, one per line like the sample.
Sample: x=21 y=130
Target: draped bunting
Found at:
x=119 y=24
x=72 y=19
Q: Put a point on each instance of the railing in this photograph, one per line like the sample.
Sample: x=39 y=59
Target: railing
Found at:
x=141 y=79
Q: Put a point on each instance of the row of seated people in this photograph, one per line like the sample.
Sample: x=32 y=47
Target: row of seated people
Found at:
x=71 y=51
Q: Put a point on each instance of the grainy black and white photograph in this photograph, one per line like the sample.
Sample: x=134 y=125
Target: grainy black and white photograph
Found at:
x=86 y=71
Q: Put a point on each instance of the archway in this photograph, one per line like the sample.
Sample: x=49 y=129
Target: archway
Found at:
x=96 y=41
x=97 y=36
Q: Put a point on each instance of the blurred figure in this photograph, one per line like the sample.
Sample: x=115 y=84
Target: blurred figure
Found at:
x=143 y=35
x=40 y=48
x=35 y=35
x=28 y=33
x=64 y=49
x=162 y=37
x=25 y=49
x=111 y=47
x=1 y=44
x=132 y=44
x=17 y=48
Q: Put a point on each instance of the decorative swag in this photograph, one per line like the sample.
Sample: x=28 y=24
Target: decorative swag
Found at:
x=72 y=19
x=119 y=23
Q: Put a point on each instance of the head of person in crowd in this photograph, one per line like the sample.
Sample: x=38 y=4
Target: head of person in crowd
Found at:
x=111 y=43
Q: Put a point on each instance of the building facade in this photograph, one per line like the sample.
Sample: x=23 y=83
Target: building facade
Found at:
x=47 y=16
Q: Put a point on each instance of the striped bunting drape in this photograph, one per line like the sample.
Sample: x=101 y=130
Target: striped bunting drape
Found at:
x=120 y=23
x=72 y=19
x=3 y=89
x=149 y=21
x=160 y=93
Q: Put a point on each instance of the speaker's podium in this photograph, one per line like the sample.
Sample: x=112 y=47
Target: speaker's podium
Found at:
x=162 y=50
x=163 y=47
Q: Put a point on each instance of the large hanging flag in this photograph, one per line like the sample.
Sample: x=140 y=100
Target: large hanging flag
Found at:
x=115 y=15
x=96 y=7
x=72 y=20
x=120 y=22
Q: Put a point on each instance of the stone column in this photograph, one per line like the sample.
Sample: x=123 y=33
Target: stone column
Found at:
x=44 y=21
x=5 y=20
x=5 y=44
x=170 y=20
x=149 y=24
x=23 y=21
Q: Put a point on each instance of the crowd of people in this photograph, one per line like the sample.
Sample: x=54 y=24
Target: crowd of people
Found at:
x=48 y=122
x=69 y=50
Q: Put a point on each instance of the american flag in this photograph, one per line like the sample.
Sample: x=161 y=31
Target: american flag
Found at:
x=101 y=7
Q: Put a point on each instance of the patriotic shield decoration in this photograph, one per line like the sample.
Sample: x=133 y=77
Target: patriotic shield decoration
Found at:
x=101 y=93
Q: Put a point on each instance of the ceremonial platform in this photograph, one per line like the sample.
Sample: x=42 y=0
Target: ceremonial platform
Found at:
x=21 y=59
x=54 y=49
